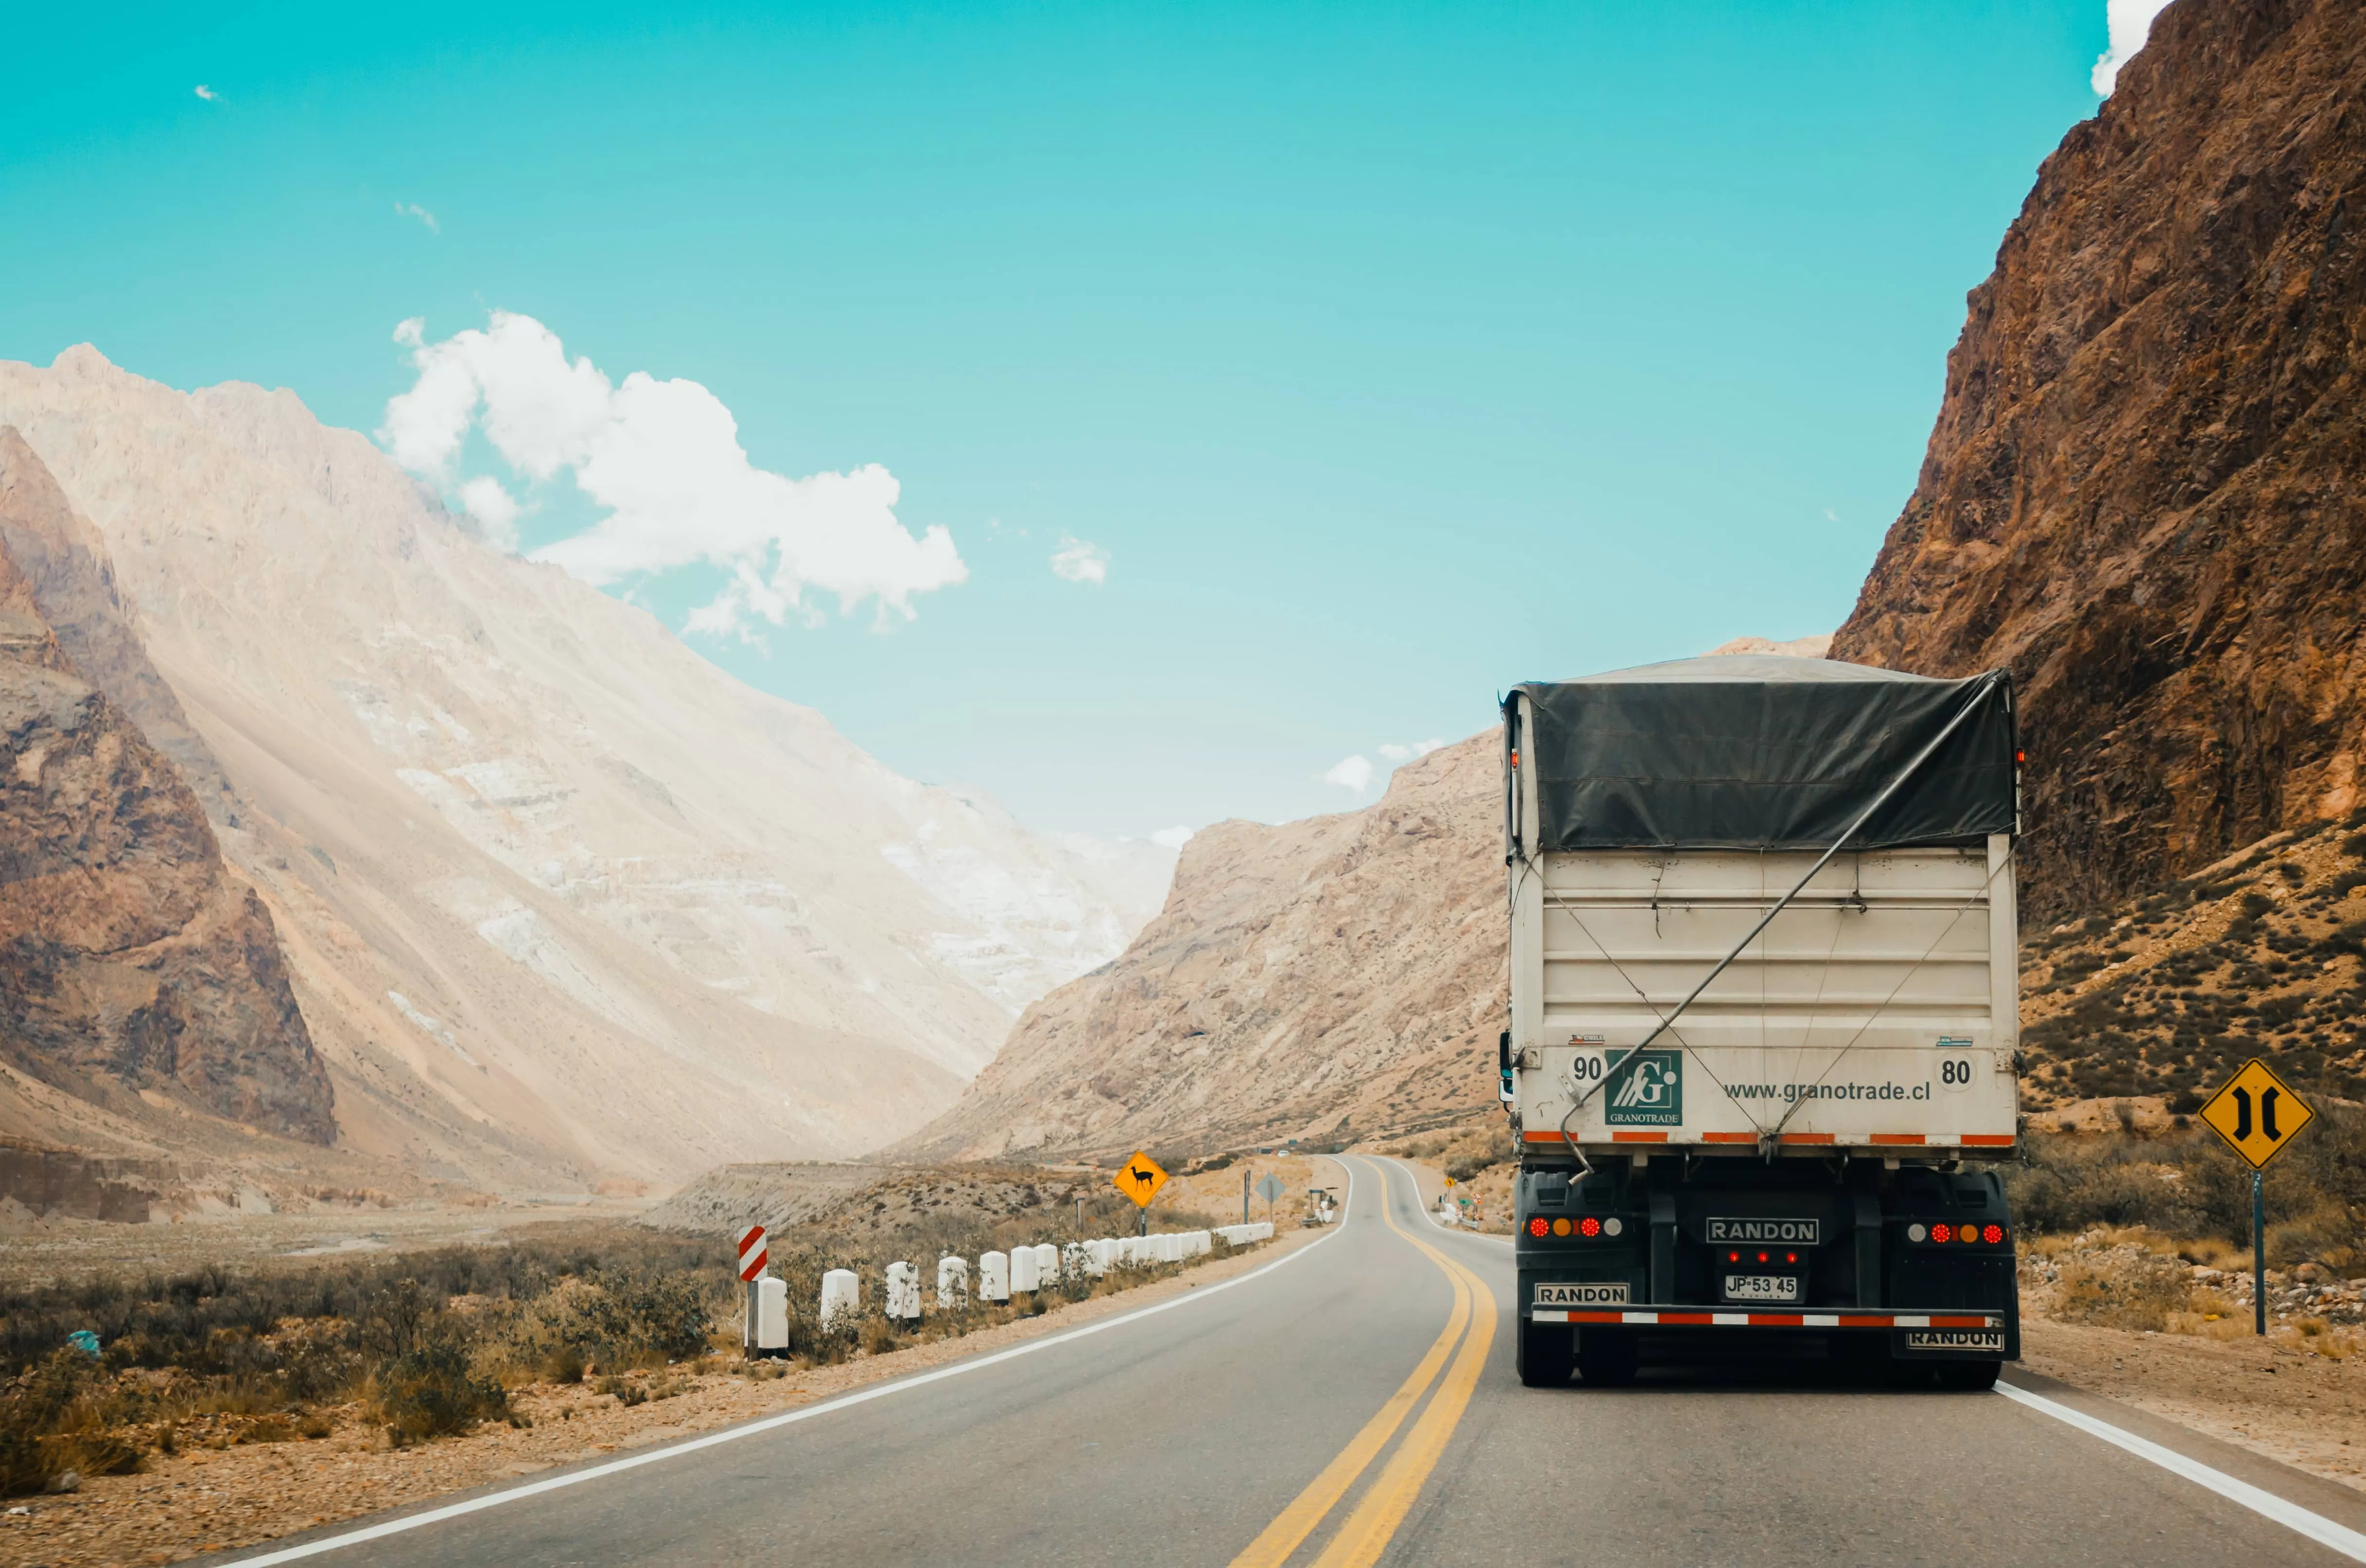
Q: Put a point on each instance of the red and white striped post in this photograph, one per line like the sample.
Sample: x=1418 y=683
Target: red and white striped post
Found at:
x=753 y=1255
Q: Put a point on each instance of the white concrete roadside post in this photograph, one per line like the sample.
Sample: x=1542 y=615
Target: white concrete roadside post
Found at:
x=840 y=1293
x=953 y=1283
x=1047 y=1264
x=772 y=1314
x=1025 y=1275
x=993 y=1277
x=903 y=1293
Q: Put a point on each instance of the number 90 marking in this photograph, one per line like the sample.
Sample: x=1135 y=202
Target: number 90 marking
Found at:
x=1585 y=1069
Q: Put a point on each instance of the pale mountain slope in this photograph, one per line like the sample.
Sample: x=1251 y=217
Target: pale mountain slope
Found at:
x=1340 y=972
x=561 y=900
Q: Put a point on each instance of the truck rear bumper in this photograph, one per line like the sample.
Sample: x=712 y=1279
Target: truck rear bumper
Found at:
x=1697 y=1317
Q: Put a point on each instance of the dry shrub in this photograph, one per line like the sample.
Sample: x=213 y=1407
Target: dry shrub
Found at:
x=2126 y=1289
x=431 y=1392
x=626 y=1392
x=54 y=1419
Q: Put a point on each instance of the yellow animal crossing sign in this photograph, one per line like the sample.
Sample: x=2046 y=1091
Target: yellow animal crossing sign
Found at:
x=2257 y=1113
x=1140 y=1179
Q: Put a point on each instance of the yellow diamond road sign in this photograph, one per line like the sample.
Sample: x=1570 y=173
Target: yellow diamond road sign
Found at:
x=1140 y=1179
x=2257 y=1113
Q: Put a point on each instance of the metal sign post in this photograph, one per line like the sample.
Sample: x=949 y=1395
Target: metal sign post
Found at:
x=2258 y=1115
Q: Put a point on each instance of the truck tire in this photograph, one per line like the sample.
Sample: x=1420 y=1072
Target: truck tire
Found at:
x=1543 y=1355
x=1606 y=1361
x=1969 y=1376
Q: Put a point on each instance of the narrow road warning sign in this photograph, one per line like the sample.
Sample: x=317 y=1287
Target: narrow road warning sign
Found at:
x=2257 y=1113
x=1140 y=1179
x=753 y=1254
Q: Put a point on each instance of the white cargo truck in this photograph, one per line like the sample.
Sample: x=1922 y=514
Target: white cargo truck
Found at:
x=1762 y=1061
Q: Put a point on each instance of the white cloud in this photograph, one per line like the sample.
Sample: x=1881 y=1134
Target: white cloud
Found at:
x=1396 y=752
x=1351 y=773
x=1080 y=561
x=208 y=94
x=495 y=510
x=1171 y=837
x=664 y=458
x=2131 y=24
x=413 y=210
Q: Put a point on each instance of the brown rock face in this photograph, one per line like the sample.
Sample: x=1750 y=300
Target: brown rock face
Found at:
x=2147 y=489
x=1340 y=972
x=65 y=560
x=128 y=956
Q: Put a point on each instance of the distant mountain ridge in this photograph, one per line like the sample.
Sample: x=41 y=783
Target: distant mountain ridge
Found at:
x=561 y=902
x=1304 y=981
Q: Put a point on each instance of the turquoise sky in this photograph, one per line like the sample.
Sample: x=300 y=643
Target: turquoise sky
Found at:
x=1392 y=354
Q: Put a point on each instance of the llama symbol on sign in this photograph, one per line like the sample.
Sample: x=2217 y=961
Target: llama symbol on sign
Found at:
x=1140 y=1179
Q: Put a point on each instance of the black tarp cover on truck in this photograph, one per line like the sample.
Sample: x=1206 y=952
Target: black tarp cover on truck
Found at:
x=1763 y=752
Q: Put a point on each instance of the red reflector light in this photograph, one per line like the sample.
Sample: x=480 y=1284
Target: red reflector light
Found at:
x=1589 y=1226
x=1537 y=1226
x=2021 y=757
x=1992 y=1235
x=1761 y=1257
x=1790 y=1257
x=1943 y=1232
x=1733 y=1257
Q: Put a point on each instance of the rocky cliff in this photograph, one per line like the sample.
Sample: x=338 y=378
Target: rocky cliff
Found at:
x=1309 y=980
x=135 y=969
x=2145 y=492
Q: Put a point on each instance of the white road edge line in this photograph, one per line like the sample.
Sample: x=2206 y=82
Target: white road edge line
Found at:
x=2291 y=1516
x=732 y=1434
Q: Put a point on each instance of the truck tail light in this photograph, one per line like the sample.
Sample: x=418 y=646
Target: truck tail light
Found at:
x=1539 y=1227
x=1588 y=1227
x=1943 y=1232
x=1992 y=1235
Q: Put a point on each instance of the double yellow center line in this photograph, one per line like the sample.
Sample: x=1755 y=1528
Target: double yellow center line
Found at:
x=1368 y=1529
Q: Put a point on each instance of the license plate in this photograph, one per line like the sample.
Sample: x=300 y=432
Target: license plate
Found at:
x=1991 y=1340
x=1590 y=1293
x=1763 y=1287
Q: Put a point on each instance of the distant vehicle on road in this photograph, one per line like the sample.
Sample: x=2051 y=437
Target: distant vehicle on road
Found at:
x=1764 y=1003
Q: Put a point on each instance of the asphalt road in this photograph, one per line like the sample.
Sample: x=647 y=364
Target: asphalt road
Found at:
x=1355 y=1402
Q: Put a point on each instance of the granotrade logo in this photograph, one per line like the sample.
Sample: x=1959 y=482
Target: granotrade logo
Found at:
x=1646 y=1090
x=1782 y=1232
